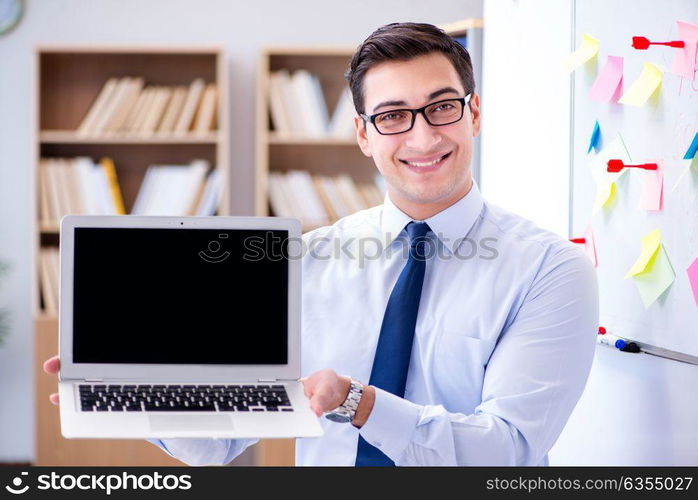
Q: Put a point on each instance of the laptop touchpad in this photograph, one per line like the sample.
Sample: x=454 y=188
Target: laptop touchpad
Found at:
x=175 y=423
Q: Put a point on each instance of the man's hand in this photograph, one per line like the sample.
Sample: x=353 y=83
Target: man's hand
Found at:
x=327 y=390
x=51 y=366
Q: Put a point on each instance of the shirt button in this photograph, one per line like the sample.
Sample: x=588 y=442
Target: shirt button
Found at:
x=378 y=444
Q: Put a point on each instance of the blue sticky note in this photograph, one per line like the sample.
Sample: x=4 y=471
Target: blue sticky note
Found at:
x=692 y=148
x=595 y=135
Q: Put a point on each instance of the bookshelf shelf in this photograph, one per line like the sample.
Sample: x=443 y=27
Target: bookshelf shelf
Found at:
x=278 y=140
x=68 y=80
x=71 y=137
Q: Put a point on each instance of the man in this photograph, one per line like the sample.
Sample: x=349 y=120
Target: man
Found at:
x=447 y=331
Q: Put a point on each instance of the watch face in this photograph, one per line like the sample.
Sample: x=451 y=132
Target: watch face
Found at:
x=341 y=418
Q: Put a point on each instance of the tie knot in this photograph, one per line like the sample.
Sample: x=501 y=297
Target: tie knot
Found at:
x=417 y=232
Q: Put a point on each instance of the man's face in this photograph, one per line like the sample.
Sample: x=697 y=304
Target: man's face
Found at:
x=413 y=84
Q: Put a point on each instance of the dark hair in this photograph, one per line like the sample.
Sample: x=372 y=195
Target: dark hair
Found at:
x=402 y=42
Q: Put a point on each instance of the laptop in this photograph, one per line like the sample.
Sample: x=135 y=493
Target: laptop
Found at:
x=181 y=327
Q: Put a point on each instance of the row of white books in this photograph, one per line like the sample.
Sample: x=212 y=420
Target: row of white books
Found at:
x=48 y=279
x=298 y=107
x=80 y=186
x=318 y=200
x=126 y=106
x=178 y=190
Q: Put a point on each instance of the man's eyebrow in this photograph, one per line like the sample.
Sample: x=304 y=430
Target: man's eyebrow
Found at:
x=433 y=95
x=440 y=92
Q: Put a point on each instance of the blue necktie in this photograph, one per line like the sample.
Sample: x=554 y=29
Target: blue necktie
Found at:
x=394 y=347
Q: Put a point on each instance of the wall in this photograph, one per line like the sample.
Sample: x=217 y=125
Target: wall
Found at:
x=243 y=27
x=526 y=114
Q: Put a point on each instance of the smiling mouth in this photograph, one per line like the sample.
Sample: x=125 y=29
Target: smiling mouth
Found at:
x=431 y=165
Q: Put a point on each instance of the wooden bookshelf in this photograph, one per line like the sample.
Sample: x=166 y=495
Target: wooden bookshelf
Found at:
x=327 y=156
x=68 y=78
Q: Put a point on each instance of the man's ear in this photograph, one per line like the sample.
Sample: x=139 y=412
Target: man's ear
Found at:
x=475 y=112
x=361 y=138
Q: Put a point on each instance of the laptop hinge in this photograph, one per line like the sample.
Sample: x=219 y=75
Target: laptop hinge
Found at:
x=94 y=380
x=267 y=380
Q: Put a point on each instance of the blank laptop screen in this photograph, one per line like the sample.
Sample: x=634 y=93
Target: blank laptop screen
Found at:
x=189 y=296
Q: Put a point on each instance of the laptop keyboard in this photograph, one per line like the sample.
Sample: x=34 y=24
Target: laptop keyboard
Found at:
x=244 y=398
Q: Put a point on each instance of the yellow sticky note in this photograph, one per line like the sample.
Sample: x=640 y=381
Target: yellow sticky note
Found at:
x=650 y=245
x=605 y=194
x=586 y=50
x=657 y=277
x=649 y=80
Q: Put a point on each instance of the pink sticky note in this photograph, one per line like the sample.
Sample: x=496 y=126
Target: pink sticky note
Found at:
x=685 y=59
x=693 y=278
x=589 y=245
x=609 y=80
x=653 y=188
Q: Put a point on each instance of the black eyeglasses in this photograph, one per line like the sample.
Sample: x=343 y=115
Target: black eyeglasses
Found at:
x=397 y=121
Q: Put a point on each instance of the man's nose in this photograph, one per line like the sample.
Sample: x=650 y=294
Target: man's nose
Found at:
x=422 y=136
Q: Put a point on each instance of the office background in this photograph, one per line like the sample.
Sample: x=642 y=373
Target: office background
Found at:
x=523 y=90
x=242 y=28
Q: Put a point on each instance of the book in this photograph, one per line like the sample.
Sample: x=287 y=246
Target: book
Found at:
x=174 y=108
x=137 y=122
x=205 y=117
x=107 y=165
x=97 y=107
x=45 y=215
x=191 y=104
x=49 y=279
x=279 y=113
x=277 y=196
x=110 y=110
x=156 y=110
x=291 y=105
x=208 y=203
x=341 y=124
x=170 y=189
x=309 y=104
x=131 y=93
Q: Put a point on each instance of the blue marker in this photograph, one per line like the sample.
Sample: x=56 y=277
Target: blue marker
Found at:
x=611 y=341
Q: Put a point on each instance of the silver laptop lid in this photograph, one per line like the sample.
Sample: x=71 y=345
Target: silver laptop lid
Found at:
x=180 y=298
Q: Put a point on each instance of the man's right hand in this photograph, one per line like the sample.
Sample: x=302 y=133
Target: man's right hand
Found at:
x=51 y=366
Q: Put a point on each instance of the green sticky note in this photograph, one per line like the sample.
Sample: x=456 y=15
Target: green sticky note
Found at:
x=656 y=278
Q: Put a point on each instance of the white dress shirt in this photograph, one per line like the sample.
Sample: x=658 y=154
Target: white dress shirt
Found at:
x=503 y=344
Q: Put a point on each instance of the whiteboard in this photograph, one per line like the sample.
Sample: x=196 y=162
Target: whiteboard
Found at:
x=662 y=129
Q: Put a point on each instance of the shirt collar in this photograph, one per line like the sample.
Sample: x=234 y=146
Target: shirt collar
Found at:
x=450 y=225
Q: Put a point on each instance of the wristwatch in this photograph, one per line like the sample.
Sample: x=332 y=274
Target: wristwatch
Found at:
x=344 y=413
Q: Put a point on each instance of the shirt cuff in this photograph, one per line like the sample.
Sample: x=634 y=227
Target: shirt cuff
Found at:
x=391 y=424
x=160 y=444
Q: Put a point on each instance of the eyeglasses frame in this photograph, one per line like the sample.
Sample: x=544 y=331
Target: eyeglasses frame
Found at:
x=415 y=111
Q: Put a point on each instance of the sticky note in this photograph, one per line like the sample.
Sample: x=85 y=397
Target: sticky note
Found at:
x=646 y=84
x=586 y=50
x=684 y=58
x=657 y=277
x=598 y=164
x=609 y=80
x=691 y=152
x=652 y=271
x=650 y=245
x=693 y=278
x=590 y=246
x=605 y=194
x=652 y=197
x=595 y=135
x=693 y=165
